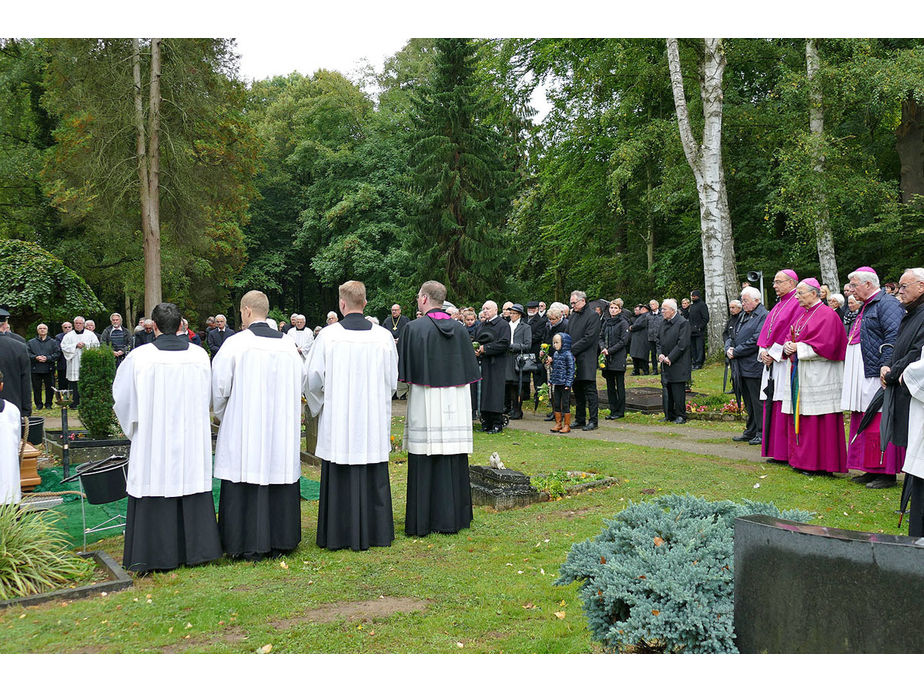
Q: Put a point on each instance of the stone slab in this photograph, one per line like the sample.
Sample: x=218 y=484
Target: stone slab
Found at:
x=802 y=588
x=501 y=488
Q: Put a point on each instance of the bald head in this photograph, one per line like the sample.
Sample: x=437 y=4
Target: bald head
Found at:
x=254 y=307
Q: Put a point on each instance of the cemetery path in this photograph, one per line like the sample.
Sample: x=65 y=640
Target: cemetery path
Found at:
x=687 y=437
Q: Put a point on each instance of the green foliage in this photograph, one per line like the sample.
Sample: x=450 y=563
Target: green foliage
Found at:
x=34 y=555
x=557 y=483
x=37 y=285
x=462 y=178
x=97 y=371
x=660 y=576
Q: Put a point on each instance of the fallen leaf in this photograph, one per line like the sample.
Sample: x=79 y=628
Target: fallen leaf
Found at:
x=519 y=572
x=658 y=541
x=764 y=476
x=756 y=485
x=283 y=565
x=458 y=644
x=188 y=625
x=560 y=614
x=542 y=571
x=655 y=612
x=561 y=603
x=602 y=560
x=266 y=649
x=529 y=605
x=170 y=629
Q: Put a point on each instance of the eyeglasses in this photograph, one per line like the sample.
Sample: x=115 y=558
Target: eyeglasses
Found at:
x=903 y=287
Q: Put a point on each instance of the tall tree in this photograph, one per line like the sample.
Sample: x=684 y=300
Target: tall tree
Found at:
x=705 y=159
x=823 y=236
x=462 y=183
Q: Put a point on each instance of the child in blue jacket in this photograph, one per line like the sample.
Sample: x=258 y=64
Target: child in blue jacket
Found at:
x=560 y=380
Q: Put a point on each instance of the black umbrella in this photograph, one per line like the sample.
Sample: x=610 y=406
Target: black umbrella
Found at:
x=906 y=496
x=875 y=405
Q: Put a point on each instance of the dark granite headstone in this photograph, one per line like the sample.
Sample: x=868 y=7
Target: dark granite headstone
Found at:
x=501 y=488
x=643 y=399
x=803 y=588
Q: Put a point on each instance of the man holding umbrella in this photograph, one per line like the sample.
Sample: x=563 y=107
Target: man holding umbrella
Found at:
x=741 y=350
x=895 y=407
x=869 y=346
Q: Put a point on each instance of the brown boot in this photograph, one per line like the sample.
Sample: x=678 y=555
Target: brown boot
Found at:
x=567 y=427
x=557 y=426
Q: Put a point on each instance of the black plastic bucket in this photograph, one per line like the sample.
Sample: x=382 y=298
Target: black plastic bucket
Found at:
x=36 y=430
x=106 y=482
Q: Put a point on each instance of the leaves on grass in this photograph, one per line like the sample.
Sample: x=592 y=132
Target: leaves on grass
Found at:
x=560 y=614
x=266 y=649
x=658 y=541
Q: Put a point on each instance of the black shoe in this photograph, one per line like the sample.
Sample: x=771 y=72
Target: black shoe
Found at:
x=756 y=440
x=864 y=478
x=550 y=416
x=610 y=417
x=679 y=420
x=663 y=419
x=634 y=373
x=579 y=424
x=884 y=481
x=496 y=429
x=516 y=416
x=696 y=368
x=592 y=426
x=653 y=373
x=741 y=439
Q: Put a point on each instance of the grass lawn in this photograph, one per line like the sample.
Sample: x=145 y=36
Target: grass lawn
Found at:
x=488 y=589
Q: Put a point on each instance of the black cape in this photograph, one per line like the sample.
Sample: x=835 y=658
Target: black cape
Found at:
x=436 y=353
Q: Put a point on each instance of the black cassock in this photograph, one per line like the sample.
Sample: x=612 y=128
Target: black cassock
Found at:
x=494 y=336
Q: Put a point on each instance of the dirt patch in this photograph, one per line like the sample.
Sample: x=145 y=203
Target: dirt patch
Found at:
x=228 y=636
x=565 y=513
x=368 y=610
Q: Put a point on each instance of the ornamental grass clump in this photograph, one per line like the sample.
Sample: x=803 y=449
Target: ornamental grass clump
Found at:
x=660 y=576
x=97 y=371
x=35 y=556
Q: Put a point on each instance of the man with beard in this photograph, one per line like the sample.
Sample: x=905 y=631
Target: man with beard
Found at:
x=494 y=340
x=584 y=328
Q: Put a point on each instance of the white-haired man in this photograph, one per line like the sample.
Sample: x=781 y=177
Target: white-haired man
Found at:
x=675 y=360
x=300 y=334
x=494 y=339
x=44 y=351
x=73 y=346
x=584 y=328
x=219 y=335
x=741 y=350
x=116 y=336
x=870 y=339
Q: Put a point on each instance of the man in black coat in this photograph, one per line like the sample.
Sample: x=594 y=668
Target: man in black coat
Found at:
x=540 y=329
x=699 y=318
x=218 y=336
x=654 y=325
x=43 y=357
x=395 y=322
x=741 y=350
x=14 y=364
x=494 y=339
x=584 y=328
x=907 y=350
x=119 y=338
x=674 y=357
x=520 y=343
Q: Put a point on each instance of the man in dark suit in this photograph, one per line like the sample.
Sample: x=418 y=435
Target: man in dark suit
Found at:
x=539 y=326
x=674 y=357
x=584 y=328
x=699 y=318
x=494 y=338
x=741 y=350
x=17 y=373
x=218 y=336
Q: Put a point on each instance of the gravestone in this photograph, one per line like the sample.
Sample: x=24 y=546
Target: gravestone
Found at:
x=501 y=488
x=802 y=588
x=643 y=399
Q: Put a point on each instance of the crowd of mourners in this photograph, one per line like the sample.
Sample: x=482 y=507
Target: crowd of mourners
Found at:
x=797 y=367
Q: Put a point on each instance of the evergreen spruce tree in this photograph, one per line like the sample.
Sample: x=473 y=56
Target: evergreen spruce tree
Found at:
x=462 y=181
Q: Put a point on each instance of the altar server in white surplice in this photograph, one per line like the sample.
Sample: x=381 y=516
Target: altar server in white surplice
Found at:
x=10 y=432
x=256 y=394
x=72 y=346
x=301 y=335
x=350 y=376
x=161 y=394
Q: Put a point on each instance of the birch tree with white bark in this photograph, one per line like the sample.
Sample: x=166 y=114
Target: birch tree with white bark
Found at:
x=824 y=237
x=705 y=159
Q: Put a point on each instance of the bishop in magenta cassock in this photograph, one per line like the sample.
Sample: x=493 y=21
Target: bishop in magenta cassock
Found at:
x=171 y=514
x=812 y=387
x=775 y=442
x=350 y=375
x=438 y=363
x=256 y=394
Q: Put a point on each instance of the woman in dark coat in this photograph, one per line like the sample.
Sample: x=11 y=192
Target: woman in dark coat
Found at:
x=614 y=337
x=638 y=341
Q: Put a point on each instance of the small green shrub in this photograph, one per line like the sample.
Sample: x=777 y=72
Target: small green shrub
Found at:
x=556 y=484
x=660 y=576
x=35 y=555
x=97 y=371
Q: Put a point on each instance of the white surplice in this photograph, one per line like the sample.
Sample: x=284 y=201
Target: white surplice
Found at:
x=72 y=354
x=439 y=420
x=303 y=340
x=913 y=377
x=256 y=394
x=10 y=440
x=162 y=403
x=350 y=376
x=820 y=383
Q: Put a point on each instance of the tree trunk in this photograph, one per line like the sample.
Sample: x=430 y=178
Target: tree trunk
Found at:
x=706 y=163
x=823 y=236
x=909 y=143
x=144 y=187
x=649 y=235
x=152 y=275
